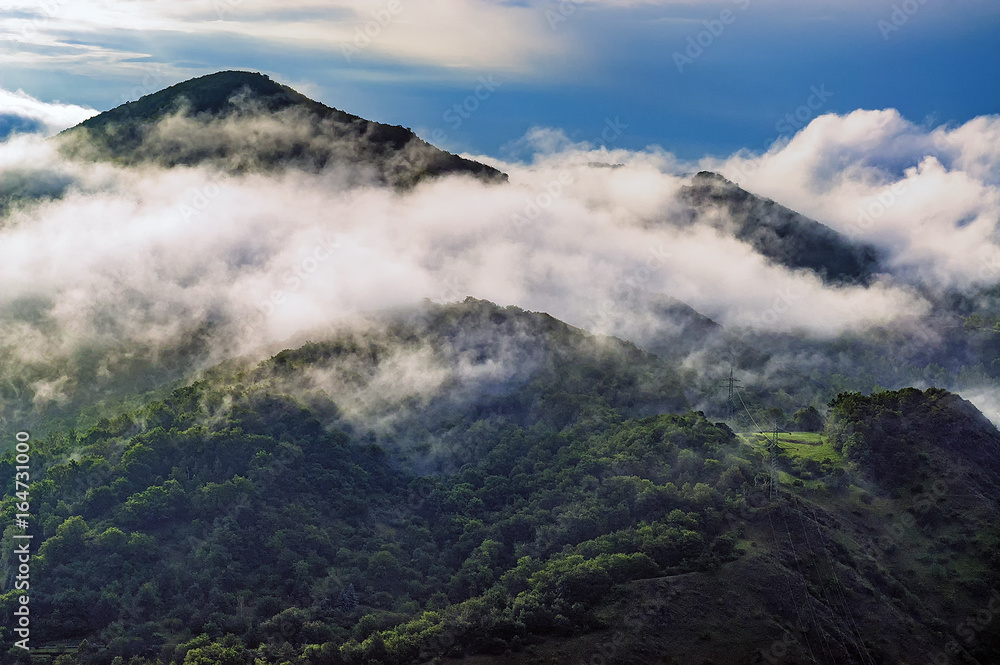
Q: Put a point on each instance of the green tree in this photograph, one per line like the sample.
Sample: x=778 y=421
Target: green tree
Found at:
x=808 y=420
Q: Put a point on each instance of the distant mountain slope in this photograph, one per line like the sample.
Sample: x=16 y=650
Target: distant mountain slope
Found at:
x=394 y=373
x=684 y=328
x=780 y=234
x=402 y=376
x=245 y=121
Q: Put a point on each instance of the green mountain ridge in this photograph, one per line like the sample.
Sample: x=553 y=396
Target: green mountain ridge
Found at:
x=224 y=124
x=548 y=514
x=781 y=234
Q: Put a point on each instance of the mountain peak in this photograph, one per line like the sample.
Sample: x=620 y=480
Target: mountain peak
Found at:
x=213 y=94
x=307 y=134
x=711 y=176
x=781 y=234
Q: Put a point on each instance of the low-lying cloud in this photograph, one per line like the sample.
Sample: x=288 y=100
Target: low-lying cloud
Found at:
x=22 y=113
x=110 y=262
x=929 y=196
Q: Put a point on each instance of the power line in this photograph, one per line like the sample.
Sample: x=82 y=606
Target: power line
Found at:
x=860 y=641
x=853 y=631
x=812 y=610
x=827 y=596
x=749 y=415
x=798 y=616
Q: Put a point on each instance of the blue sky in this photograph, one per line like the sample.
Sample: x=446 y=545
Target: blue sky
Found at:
x=575 y=65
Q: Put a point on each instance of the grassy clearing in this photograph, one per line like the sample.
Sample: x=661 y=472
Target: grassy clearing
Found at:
x=809 y=445
x=799 y=445
x=810 y=438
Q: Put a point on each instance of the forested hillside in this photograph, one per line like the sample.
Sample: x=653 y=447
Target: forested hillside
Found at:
x=244 y=121
x=248 y=517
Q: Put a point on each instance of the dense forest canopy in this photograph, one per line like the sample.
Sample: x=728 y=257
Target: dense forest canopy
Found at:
x=247 y=516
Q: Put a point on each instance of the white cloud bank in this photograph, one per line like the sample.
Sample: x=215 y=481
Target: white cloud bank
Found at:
x=141 y=258
x=22 y=112
x=930 y=196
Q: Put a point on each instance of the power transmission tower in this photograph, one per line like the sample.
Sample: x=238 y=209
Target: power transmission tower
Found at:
x=773 y=449
x=731 y=383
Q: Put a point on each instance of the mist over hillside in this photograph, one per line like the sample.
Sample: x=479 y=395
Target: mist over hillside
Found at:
x=508 y=400
x=240 y=121
x=114 y=268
